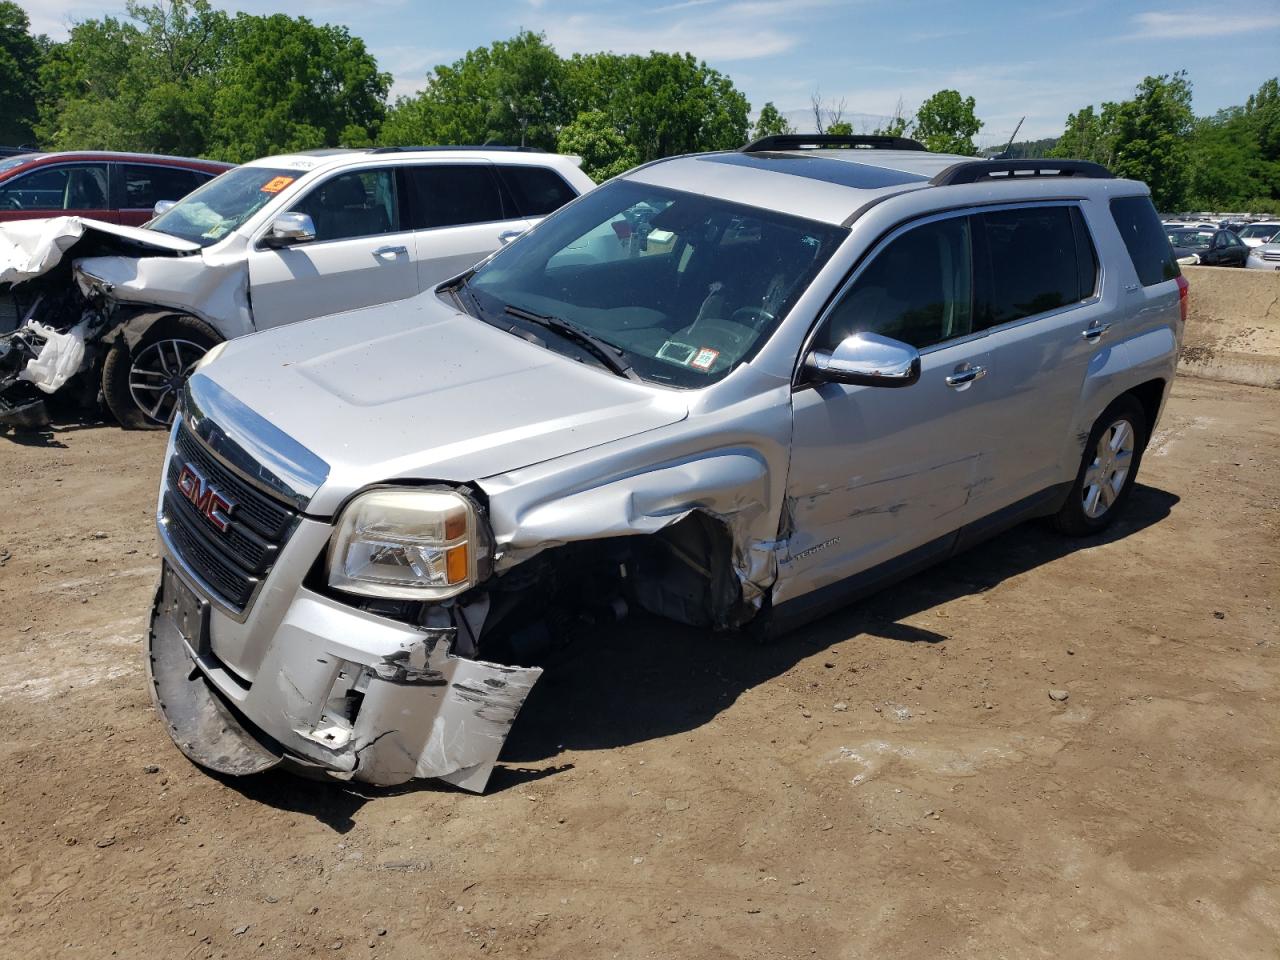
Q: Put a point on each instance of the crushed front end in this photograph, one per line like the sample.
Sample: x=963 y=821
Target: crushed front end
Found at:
x=255 y=659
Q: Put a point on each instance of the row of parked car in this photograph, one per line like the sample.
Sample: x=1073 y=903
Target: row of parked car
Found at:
x=1226 y=243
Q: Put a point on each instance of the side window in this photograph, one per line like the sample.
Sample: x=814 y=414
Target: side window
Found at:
x=537 y=191
x=81 y=186
x=1032 y=263
x=918 y=289
x=357 y=204
x=146 y=185
x=450 y=195
x=1145 y=239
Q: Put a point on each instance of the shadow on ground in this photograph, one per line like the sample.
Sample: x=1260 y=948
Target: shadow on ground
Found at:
x=646 y=679
x=649 y=679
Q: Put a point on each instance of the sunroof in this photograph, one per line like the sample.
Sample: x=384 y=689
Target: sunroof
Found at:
x=846 y=173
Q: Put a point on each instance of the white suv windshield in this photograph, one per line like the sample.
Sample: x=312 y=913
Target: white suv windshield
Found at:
x=682 y=287
x=208 y=214
x=1264 y=231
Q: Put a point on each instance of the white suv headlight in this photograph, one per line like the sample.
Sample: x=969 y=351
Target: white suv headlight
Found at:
x=407 y=544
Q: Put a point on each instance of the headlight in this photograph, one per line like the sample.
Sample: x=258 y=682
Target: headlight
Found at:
x=407 y=544
x=211 y=355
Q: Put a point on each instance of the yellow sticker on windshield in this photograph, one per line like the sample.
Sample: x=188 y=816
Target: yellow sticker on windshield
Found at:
x=277 y=184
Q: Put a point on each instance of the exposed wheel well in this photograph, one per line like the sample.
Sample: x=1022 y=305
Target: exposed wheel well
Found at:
x=1150 y=394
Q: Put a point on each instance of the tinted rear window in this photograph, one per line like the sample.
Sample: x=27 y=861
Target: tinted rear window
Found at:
x=1144 y=237
x=536 y=191
x=1037 y=262
x=446 y=195
x=145 y=184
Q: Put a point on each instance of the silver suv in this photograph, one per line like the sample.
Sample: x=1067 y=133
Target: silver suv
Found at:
x=735 y=390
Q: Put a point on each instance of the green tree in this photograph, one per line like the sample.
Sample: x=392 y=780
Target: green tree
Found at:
x=671 y=103
x=1225 y=162
x=21 y=55
x=145 y=83
x=1089 y=135
x=946 y=123
x=511 y=92
x=770 y=123
x=604 y=150
x=289 y=84
x=1152 y=138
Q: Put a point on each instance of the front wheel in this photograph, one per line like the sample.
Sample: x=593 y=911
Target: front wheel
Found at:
x=1108 y=468
x=142 y=386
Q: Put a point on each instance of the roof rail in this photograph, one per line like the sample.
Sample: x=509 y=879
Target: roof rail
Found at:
x=806 y=141
x=980 y=171
x=458 y=146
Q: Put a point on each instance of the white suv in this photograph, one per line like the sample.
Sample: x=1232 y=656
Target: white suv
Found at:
x=292 y=237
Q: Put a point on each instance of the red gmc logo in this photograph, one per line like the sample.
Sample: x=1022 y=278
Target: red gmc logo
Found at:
x=212 y=505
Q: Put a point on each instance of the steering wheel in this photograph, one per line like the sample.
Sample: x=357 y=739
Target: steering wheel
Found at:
x=755 y=317
x=10 y=203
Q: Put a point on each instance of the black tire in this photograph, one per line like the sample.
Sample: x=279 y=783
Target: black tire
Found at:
x=1078 y=518
x=156 y=367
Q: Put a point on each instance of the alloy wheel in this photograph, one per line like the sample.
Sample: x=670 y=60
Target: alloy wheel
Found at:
x=157 y=374
x=1105 y=476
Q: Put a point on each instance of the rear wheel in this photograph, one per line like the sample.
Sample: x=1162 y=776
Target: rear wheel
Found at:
x=142 y=386
x=1108 y=468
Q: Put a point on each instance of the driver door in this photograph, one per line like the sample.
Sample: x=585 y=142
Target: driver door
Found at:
x=362 y=254
x=878 y=473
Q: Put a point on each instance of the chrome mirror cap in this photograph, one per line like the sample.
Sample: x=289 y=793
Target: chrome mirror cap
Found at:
x=289 y=229
x=866 y=359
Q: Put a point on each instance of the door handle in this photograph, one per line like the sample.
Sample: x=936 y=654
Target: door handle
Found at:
x=1094 y=331
x=968 y=375
x=387 y=253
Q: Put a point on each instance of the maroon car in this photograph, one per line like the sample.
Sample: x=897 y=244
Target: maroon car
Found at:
x=116 y=187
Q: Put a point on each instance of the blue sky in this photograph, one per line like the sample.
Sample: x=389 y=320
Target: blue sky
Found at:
x=1015 y=58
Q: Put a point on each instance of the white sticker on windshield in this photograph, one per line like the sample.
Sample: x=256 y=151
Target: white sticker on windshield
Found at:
x=704 y=358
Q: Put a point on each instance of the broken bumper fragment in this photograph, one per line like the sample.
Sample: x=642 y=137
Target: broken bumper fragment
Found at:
x=355 y=695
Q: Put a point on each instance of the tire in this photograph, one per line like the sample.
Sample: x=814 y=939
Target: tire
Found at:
x=142 y=386
x=1108 y=468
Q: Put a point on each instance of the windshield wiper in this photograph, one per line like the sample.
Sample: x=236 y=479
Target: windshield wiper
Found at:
x=604 y=351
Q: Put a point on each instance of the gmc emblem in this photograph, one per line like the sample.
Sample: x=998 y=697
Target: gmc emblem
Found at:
x=212 y=505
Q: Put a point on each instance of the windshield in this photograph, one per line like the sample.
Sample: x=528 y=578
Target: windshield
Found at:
x=1259 y=231
x=1191 y=239
x=208 y=214
x=686 y=287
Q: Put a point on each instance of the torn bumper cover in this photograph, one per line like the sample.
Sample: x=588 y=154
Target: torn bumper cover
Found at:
x=383 y=704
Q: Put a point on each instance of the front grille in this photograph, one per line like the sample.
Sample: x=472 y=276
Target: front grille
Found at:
x=231 y=562
x=1271 y=255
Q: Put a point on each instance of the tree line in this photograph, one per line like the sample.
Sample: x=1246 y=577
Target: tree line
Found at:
x=1229 y=161
x=181 y=77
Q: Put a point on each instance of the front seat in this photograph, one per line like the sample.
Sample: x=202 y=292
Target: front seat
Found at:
x=84 y=192
x=344 y=211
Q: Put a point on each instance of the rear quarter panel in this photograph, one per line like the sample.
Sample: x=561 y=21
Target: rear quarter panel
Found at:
x=1142 y=344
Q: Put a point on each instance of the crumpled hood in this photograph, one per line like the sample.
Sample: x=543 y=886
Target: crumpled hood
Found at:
x=29 y=248
x=415 y=389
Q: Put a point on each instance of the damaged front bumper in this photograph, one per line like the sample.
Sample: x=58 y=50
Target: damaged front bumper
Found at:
x=355 y=695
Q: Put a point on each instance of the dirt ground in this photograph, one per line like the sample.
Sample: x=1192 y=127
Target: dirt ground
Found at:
x=894 y=781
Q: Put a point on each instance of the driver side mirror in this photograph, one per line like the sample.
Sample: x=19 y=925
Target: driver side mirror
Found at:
x=867 y=360
x=290 y=229
x=162 y=206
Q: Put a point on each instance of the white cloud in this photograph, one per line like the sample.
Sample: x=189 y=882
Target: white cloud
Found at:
x=1184 y=26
